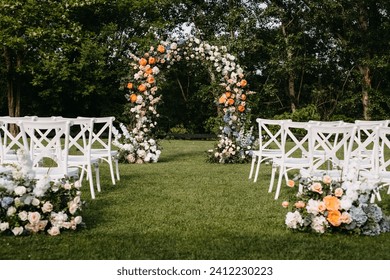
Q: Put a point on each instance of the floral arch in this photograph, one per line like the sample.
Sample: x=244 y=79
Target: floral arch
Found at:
x=137 y=142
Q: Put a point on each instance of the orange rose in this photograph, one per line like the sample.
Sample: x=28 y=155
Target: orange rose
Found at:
x=228 y=94
x=129 y=85
x=133 y=98
x=152 y=60
x=334 y=217
x=161 y=48
x=141 y=87
x=222 y=99
x=150 y=80
x=243 y=83
x=300 y=204
x=332 y=203
x=149 y=71
x=316 y=187
x=241 y=108
x=290 y=183
x=243 y=97
x=143 y=62
x=230 y=101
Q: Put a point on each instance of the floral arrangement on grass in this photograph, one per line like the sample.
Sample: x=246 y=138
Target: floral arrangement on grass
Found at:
x=328 y=206
x=30 y=206
x=143 y=95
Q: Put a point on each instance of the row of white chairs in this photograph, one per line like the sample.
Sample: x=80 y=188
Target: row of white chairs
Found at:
x=317 y=148
x=73 y=145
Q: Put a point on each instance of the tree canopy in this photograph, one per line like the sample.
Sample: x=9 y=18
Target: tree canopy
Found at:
x=305 y=59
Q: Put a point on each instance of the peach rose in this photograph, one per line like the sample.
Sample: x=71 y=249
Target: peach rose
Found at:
x=334 y=218
x=290 y=183
x=243 y=83
x=346 y=218
x=338 y=192
x=243 y=97
x=228 y=94
x=285 y=204
x=47 y=207
x=332 y=203
x=316 y=187
x=129 y=85
x=321 y=207
x=327 y=179
x=54 y=231
x=33 y=217
x=230 y=101
x=152 y=60
x=300 y=204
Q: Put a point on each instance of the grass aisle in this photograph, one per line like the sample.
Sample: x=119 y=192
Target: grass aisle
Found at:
x=185 y=208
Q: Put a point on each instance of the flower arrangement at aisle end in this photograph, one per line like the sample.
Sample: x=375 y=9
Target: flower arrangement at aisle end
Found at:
x=29 y=206
x=135 y=149
x=143 y=96
x=328 y=206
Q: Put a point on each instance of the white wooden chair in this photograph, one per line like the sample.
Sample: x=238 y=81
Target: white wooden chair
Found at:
x=270 y=144
x=296 y=152
x=102 y=144
x=43 y=142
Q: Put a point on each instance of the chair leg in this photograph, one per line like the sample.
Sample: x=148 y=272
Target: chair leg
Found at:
x=89 y=174
x=117 y=170
x=252 y=166
x=257 y=169
x=97 y=174
x=271 y=183
x=282 y=171
x=111 y=170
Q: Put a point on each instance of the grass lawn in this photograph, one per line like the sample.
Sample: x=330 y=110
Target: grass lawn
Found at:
x=185 y=208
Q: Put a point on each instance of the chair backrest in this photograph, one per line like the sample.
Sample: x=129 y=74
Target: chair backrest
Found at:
x=271 y=134
x=295 y=139
x=381 y=149
x=11 y=142
x=44 y=140
x=102 y=133
x=331 y=144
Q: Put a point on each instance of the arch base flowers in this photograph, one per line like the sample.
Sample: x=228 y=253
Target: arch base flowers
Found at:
x=137 y=141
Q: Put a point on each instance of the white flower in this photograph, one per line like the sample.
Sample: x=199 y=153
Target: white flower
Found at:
x=34 y=217
x=4 y=226
x=345 y=203
x=293 y=219
x=78 y=220
x=319 y=224
x=17 y=230
x=54 y=231
x=47 y=207
x=35 y=201
x=20 y=190
x=23 y=216
x=11 y=211
x=312 y=207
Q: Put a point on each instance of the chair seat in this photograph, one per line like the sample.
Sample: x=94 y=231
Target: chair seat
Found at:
x=55 y=172
x=102 y=152
x=79 y=159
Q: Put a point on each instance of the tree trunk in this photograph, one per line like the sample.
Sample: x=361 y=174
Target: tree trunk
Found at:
x=13 y=84
x=291 y=75
x=366 y=87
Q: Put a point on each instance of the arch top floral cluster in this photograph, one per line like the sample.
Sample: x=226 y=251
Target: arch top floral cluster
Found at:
x=143 y=98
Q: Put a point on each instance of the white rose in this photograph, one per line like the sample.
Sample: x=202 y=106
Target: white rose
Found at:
x=78 y=220
x=73 y=207
x=4 y=226
x=293 y=219
x=34 y=217
x=54 y=231
x=35 y=202
x=23 y=216
x=11 y=211
x=20 y=190
x=17 y=230
x=47 y=207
